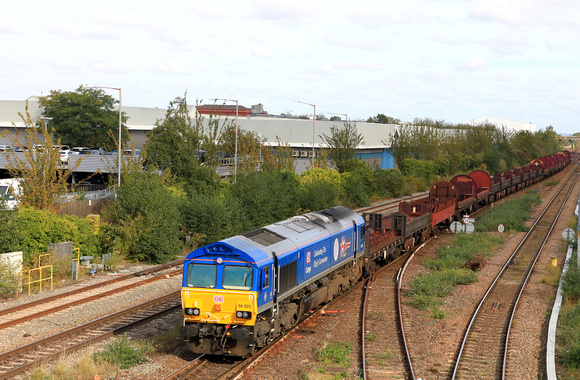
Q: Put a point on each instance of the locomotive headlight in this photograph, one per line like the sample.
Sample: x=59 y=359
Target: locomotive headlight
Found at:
x=244 y=314
x=192 y=311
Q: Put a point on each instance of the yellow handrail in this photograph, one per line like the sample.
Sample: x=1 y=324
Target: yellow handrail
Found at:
x=38 y=270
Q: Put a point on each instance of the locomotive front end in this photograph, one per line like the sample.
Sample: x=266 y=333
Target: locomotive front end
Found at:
x=219 y=305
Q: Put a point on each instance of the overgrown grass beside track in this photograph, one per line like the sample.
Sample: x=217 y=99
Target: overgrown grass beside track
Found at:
x=449 y=270
x=512 y=214
x=568 y=333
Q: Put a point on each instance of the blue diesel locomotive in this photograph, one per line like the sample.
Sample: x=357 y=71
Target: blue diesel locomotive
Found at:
x=240 y=293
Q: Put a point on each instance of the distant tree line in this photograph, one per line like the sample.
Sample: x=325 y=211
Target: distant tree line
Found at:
x=427 y=150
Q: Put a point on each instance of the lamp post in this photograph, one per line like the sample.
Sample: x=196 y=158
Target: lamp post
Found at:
x=236 y=148
x=313 y=126
x=120 y=128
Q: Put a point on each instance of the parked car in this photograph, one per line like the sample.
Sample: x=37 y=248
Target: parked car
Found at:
x=90 y=152
x=134 y=152
x=5 y=148
x=9 y=191
x=79 y=148
x=66 y=154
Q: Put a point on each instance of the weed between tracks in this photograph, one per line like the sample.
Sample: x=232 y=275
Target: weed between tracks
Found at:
x=122 y=353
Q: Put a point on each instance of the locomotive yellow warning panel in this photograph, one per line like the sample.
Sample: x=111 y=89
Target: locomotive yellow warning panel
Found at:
x=219 y=306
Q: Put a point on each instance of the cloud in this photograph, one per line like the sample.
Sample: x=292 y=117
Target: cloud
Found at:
x=454 y=40
x=169 y=67
x=205 y=10
x=370 y=20
x=287 y=12
x=510 y=12
x=507 y=44
x=366 y=44
x=262 y=52
x=475 y=63
x=71 y=30
x=372 y=65
x=108 y=67
x=337 y=68
x=9 y=27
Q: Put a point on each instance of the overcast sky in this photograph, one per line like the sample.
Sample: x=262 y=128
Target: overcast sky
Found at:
x=448 y=60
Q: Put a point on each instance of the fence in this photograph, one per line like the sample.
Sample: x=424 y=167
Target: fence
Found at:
x=83 y=208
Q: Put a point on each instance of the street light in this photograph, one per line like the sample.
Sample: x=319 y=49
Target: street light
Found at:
x=313 y=127
x=236 y=148
x=120 y=126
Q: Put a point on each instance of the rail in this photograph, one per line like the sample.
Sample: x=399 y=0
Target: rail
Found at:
x=495 y=283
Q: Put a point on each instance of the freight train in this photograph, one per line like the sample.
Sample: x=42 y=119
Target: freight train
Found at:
x=239 y=293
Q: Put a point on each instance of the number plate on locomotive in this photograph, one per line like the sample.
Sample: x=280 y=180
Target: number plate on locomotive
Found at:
x=244 y=306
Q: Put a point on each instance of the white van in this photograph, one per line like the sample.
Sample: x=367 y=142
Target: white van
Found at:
x=9 y=191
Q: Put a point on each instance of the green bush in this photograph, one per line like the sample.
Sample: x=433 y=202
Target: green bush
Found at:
x=571 y=281
x=569 y=336
x=266 y=197
x=354 y=191
x=210 y=219
x=33 y=230
x=123 y=353
x=144 y=224
x=8 y=279
x=317 y=195
x=390 y=183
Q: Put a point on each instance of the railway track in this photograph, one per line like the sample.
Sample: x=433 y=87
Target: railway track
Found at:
x=392 y=205
x=34 y=354
x=383 y=344
x=484 y=349
x=39 y=308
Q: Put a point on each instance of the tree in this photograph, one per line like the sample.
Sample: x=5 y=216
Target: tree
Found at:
x=84 y=117
x=383 y=119
x=175 y=145
x=251 y=149
x=44 y=177
x=343 y=143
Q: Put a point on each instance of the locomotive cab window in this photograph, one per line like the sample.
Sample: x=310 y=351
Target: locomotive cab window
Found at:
x=238 y=277
x=201 y=275
x=265 y=278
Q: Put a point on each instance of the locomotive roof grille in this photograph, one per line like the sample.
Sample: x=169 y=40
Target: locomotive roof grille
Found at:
x=264 y=237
